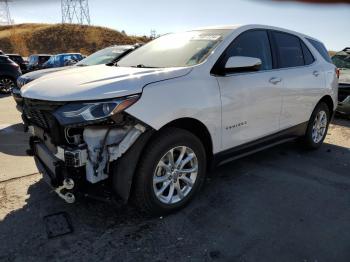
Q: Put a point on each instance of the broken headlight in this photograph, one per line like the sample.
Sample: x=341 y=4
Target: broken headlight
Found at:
x=78 y=113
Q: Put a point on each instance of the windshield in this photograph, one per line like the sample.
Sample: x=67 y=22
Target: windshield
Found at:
x=103 y=56
x=342 y=60
x=176 y=50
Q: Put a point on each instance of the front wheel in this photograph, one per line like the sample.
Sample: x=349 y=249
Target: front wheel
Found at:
x=171 y=170
x=318 y=126
x=6 y=84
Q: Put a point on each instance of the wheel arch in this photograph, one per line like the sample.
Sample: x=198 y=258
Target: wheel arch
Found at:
x=327 y=99
x=198 y=129
x=124 y=169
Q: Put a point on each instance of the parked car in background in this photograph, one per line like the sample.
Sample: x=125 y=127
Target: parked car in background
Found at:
x=35 y=62
x=105 y=56
x=20 y=61
x=1 y=52
x=342 y=61
x=9 y=72
x=150 y=125
x=61 y=60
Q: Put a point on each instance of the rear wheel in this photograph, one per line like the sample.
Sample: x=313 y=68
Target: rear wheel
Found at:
x=6 y=84
x=170 y=172
x=317 y=127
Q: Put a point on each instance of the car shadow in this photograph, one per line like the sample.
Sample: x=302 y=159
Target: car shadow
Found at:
x=4 y=95
x=13 y=140
x=283 y=203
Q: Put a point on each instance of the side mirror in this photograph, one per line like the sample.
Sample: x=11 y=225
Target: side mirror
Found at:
x=70 y=62
x=242 y=64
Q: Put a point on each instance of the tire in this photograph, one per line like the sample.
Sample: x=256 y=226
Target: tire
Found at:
x=316 y=131
x=6 y=84
x=154 y=176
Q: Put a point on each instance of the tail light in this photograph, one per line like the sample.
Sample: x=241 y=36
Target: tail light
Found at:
x=337 y=71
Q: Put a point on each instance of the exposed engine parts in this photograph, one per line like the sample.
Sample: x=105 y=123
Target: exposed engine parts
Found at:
x=98 y=147
x=105 y=145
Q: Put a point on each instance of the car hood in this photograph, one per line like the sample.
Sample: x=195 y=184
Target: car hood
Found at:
x=96 y=82
x=39 y=73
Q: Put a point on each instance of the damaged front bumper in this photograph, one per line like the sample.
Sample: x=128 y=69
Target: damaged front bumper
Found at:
x=69 y=169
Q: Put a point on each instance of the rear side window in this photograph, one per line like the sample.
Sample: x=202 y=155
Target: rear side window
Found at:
x=308 y=57
x=321 y=49
x=5 y=60
x=289 y=50
x=43 y=59
x=251 y=44
x=32 y=59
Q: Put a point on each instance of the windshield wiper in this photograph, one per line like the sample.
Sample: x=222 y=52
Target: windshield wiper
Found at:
x=143 y=66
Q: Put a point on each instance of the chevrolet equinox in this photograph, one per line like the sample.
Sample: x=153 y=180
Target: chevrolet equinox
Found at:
x=151 y=125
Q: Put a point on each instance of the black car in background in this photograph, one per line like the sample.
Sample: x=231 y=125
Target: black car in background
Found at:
x=9 y=72
x=19 y=61
x=35 y=62
x=61 y=60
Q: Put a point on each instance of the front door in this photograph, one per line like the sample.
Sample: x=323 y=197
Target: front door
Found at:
x=251 y=101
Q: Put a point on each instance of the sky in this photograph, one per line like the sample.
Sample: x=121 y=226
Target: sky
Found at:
x=328 y=23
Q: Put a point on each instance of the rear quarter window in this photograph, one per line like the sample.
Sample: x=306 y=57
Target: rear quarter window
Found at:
x=308 y=57
x=289 y=50
x=321 y=49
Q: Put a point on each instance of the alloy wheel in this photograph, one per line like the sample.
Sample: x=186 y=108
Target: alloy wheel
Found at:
x=175 y=175
x=6 y=84
x=319 y=126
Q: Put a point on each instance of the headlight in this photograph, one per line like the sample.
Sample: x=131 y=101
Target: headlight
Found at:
x=21 y=81
x=78 y=113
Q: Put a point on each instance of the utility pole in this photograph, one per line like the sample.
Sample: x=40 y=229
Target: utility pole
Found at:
x=5 y=16
x=153 y=34
x=75 y=12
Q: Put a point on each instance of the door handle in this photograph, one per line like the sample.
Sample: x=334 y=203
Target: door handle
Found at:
x=316 y=73
x=275 y=80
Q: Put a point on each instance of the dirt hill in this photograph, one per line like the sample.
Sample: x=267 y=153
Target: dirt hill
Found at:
x=27 y=39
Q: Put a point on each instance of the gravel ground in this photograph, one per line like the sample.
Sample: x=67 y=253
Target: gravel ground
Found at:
x=282 y=204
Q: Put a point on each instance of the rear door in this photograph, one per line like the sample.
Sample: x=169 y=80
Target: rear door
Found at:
x=303 y=78
x=251 y=101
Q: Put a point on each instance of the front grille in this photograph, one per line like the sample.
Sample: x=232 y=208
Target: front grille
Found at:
x=38 y=118
x=40 y=112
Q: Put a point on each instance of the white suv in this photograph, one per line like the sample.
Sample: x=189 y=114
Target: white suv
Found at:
x=150 y=126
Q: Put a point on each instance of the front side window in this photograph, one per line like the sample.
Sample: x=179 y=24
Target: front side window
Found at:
x=176 y=50
x=251 y=44
x=288 y=49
